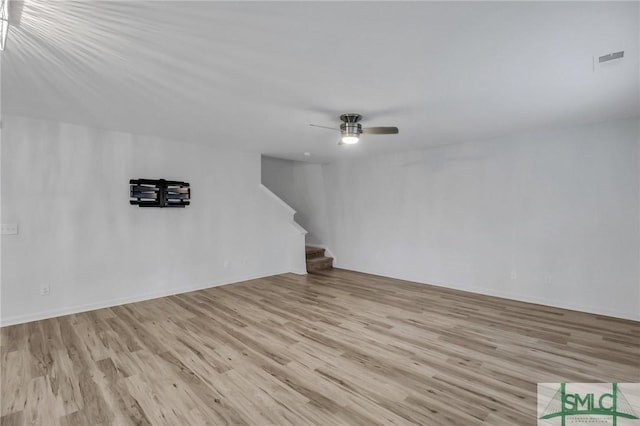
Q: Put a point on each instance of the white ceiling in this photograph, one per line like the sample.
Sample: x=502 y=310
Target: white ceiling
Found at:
x=254 y=75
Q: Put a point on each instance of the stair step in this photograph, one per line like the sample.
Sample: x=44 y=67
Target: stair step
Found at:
x=313 y=252
x=318 y=264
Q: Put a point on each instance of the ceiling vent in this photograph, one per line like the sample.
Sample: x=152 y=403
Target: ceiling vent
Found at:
x=608 y=60
x=611 y=57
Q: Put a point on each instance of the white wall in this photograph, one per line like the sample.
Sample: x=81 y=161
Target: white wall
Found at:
x=301 y=185
x=550 y=217
x=1 y=133
x=67 y=188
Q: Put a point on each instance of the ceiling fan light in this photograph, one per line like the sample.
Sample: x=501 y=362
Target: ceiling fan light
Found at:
x=350 y=139
x=350 y=132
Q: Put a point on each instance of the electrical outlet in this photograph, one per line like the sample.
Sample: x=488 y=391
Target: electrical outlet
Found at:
x=514 y=275
x=9 y=229
x=44 y=290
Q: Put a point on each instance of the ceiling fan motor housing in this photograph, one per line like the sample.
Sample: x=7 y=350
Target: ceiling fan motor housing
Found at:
x=351 y=129
x=350 y=125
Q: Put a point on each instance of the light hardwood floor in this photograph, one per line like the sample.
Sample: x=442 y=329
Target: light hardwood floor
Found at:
x=342 y=348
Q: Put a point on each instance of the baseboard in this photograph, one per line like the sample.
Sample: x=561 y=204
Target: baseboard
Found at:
x=36 y=316
x=20 y=319
x=512 y=296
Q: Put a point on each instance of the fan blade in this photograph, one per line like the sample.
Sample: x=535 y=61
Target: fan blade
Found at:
x=381 y=130
x=324 y=127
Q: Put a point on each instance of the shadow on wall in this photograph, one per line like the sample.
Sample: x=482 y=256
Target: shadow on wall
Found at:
x=301 y=186
x=303 y=220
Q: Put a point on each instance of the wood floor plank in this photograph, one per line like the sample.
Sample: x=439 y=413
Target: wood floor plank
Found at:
x=15 y=380
x=337 y=348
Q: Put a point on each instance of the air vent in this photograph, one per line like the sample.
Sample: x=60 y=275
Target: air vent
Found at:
x=611 y=57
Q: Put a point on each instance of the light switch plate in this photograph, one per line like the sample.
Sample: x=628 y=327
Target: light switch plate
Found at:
x=9 y=229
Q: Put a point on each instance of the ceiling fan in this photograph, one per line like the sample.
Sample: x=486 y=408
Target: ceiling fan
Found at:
x=351 y=129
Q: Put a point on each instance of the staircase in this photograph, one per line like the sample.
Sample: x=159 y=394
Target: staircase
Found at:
x=317 y=262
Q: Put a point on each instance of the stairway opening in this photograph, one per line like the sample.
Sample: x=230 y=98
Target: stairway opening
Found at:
x=317 y=262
